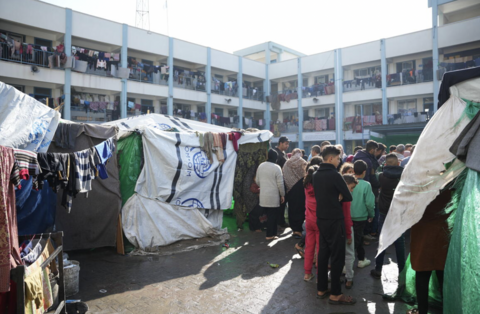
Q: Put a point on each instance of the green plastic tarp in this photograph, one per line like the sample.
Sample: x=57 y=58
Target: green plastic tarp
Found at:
x=130 y=160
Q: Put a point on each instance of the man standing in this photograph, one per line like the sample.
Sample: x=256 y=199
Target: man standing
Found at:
x=269 y=179
x=406 y=160
x=399 y=152
x=392 y=149
x=389 y=180
x=380 y=153
x=408 y=150
x=315 y=151
x=330 y=190
x=283 y=144
x=368 y=155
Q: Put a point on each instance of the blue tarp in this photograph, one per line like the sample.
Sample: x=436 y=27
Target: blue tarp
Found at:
x=35 y=209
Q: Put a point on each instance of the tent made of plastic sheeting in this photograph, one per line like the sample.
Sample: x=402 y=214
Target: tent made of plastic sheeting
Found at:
x=149 y=223
x=94 y=217
x=165 y=122
x=426 y=174
x=25 y=123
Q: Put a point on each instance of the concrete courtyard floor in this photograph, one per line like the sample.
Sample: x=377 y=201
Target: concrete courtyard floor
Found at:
x=214 y=280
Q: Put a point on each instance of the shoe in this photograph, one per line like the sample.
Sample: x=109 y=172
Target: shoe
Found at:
x=369 y=237
x=364 y=263
x=376 y=274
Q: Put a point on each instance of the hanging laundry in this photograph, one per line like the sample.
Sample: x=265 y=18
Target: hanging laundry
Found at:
x=26 y=165
x=104 y=152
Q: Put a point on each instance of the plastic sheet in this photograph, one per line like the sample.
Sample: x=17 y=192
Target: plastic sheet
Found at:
x=462 y=269
x=406 y=291
x=130 y=160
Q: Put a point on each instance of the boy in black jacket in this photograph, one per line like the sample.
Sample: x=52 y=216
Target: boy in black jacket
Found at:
x=389 y=179
x=330 y=190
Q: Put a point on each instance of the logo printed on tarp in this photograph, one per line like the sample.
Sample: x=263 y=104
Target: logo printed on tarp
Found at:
x=197 y=161
x=162 y=126
x=192 y=202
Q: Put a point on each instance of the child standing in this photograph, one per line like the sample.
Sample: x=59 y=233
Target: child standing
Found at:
x=350 y=245
x=311 y=239
x=362 y=209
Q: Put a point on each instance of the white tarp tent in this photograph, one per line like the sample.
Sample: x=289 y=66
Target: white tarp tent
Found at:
x=179 y=193
x=423 y=177
x=25 y=122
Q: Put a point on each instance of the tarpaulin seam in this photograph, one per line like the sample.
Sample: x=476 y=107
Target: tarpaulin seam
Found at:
x=179 y=168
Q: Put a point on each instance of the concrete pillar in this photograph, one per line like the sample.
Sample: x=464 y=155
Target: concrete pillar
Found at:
x=266 y=87
x=170 y=77
x=68 y=72
x=300 y=107
x=124 y=56
x=339 y=107
x=240 y=92
x=208 y=77
x=384 y=73
x=435 y=53
x=156 y=105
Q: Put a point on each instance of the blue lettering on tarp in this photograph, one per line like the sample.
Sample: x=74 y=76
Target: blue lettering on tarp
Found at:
x=39 y=128
x=192 y=202
x=201 y=164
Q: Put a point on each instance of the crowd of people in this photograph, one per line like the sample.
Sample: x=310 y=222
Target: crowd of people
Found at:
x=337 y=204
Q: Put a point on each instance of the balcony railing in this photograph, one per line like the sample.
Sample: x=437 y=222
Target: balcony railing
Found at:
x=409 y=77
x=27 y=55
x=355 y=123
x=319 y=125
x=363 y=83
x=408 y=117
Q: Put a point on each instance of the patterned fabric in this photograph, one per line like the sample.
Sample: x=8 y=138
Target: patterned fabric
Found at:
x=26 y=165
x=9 y=254
x=248 y=156
x=85 y=169
x=294 y=169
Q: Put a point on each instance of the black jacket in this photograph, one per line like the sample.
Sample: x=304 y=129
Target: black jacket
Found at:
x=328 y=184
x=372 y=165
x=282 y=158
x=389 y=179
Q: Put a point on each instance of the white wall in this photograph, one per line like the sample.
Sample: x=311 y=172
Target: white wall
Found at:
x=223 y=60
x=283 y=69
x=361 y=53
x=409 y=44
x=24 y=72
x=413 y=89
x=254 y=68
x=96 y=29
x=459 y=33
x=34 y=13
x=187 y=94
x=186 y=51
x=140 y=39
x=357 y=96
x=147 y=89
x=318 y=62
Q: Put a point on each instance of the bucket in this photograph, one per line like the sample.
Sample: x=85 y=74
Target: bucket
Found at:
x=71 y=273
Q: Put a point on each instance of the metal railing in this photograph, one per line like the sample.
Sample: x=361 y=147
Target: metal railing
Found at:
x=405 y=78
x=361 y=84
x=29 y=55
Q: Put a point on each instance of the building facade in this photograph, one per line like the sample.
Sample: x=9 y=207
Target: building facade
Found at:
x=382 y=89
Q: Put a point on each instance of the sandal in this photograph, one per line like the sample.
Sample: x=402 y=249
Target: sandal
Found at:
x=413 y=311
x=300 y=250
x=310 y=277
x=324 y=295
x=344 y=300
x=271 y=238
x=347 y=286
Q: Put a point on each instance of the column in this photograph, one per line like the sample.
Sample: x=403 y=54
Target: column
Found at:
x=240 y=92
x=170 y=77
x=208 y=77
x=384 y=81
x=435 y=53
x=68 y=72
x=266 y=88
x=124 y=56
x=339 y=109
x=300 y=108
x=156 y=106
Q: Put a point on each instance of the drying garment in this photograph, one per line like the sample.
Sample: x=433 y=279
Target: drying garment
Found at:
x=84 y=169
x=467 y=145
x=234 y=137
x=9 y=253
x=33 y=254
x=26 y=165
x=66 y=134
x=425 y=175
x=55 y=169
x=218 y=147
x=104 y=152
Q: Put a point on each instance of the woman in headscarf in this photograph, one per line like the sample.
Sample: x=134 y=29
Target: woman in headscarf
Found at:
x=294 y=173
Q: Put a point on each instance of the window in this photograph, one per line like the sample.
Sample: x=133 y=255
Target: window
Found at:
x=43 y=42
x=15 y=36
x=232 y=113
x=19 y=88
x=428 y=104
x=147 y=106
x=200 y=109
x=367 y=71
x=147 y=62
x=322 y=113
x=321 y=79
x=405 y=66
x=368 y=109
x=247 y=114
x=40 y=93
x=130 y=104
x=258 y=115
x=218 y=111
x=219 y=77
x=405 y=106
